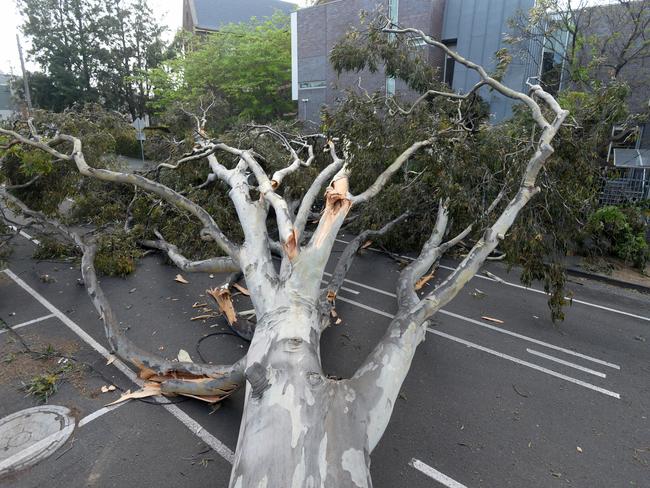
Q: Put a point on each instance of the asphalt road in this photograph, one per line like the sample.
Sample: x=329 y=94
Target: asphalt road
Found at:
x=524 y=403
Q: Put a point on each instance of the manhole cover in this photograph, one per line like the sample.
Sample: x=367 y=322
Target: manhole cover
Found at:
x=33 y=434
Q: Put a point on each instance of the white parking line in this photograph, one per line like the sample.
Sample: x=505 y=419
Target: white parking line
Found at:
x=98 y=413
x=349 y=290
x=196 y=428
x=530 y=339
x=29 y=322
x=493 y=352
x=435 y=474
x=26 y=235
x=487 y=326
x=526 y=288
x=526 y=363
x=566 y=363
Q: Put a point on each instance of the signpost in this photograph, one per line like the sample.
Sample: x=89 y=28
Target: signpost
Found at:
x=139 y=125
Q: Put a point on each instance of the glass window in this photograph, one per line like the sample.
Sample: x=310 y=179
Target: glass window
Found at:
x=306 y=85
x=450 y=65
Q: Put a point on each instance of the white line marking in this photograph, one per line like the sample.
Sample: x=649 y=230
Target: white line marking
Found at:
x=530 y=339
x=435 y=474
x=566 y=363
x=26 y=235
x=14 y=461
x=522 y=287
x=198 y=430
x=366 y=307
x=189 y=422
x=98 y=413
x=29 y=322
x=525 y=363
x=349 y=290
x=496 y=353
x=487 y=326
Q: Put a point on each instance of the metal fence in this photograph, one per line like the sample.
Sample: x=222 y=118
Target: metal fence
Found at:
x=624 y=185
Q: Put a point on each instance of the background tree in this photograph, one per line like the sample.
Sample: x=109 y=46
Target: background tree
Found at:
x=68 y=42
x=586 y=45
x=247 y=67
x=135 y=47
x=92 y=51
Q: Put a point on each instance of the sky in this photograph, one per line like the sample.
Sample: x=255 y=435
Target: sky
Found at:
x=169 y=13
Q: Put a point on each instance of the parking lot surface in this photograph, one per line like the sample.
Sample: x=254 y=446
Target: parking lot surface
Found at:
x=522 y=403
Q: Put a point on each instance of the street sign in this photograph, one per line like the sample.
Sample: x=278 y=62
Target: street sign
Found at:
x=139 y=125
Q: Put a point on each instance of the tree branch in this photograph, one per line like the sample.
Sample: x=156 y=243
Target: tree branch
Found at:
x=383 y=178
x=212 y=265
x=211 y=229
x=347 y=257
x=308 y=200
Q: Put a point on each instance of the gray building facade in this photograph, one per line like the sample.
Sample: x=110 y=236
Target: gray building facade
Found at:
x=7 y=107
x=474 y=28
x=211 y=15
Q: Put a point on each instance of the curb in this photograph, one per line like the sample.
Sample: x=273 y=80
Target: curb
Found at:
x=608 y=280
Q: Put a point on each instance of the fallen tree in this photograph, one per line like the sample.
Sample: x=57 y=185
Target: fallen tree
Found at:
x=299 y=426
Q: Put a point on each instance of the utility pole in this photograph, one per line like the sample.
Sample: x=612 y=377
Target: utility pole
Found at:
x=28 y=96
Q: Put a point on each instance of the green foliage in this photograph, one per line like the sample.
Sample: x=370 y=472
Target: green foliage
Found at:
x=98 y=130
x=370 y=49
x=90 y=51
x=618 y=231
x=42 y=386
x=117 y=253
x=245 y=68
x=471 y=161
x=51 y=248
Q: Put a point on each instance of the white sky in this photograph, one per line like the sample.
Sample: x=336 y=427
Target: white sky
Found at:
x=169 y=13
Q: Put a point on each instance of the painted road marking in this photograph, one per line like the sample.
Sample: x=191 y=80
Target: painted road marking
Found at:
x=435 y=474
x=349 y=290
x=522 y=287
x=566 y=363
x=530 y=339
x=491 y=327
x=196 y=428
x=495 y=353
x=29 y=322
x=98 y=413
x=26 y=235
x=525 y=363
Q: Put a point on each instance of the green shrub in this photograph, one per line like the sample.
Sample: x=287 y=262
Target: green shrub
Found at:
x=127 y=145
x=117 y=253
x=617 y=231
x=49 y=248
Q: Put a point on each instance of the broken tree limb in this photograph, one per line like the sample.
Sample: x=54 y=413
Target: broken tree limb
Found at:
x=381 y=375
x=212 y=265
x=324 y=176
x=210 y=226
